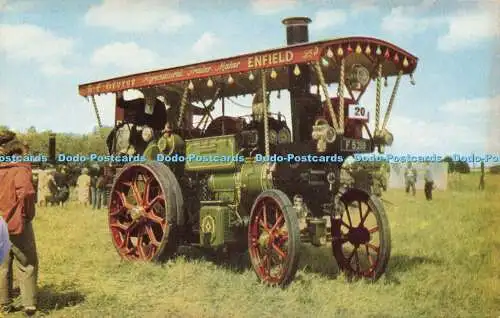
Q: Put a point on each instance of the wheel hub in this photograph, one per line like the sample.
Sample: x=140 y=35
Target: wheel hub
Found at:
x=359 y=235
x=136 y=212
x=264 y=239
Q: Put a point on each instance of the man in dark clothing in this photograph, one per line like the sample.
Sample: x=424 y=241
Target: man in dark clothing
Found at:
x=429 y=183
x=17 y=207
x=410 y=178
x=481 y=179
x=93 y=191
x=100 y=190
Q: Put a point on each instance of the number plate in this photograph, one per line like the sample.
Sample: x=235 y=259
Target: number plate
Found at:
x=357 y=112
x=349 y=144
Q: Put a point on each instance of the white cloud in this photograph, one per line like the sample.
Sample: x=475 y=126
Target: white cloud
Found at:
x=483 y=107
x=359 y=6
x=415 y=135
x=264 y=7
x=405 y=20
x=466 y=29
x=328 y=19
x=16 y=6
x=26 y=42
x=126 y=56
x=205 y=43
x=138 y=16
x=483 y=111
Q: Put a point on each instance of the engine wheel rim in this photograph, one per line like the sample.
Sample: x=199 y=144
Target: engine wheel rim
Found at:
x=353 y=229
x=268 y=239
x=137 y=214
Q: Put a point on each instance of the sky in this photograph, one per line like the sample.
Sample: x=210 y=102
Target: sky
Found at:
x=48 y=48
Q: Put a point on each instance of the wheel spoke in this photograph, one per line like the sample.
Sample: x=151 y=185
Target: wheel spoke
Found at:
x=151 y=235
x=137 y=193
x=348 y=215
x=123 y=198
x=122 y=226
x=373 y=230
x=278 y=250
x=264 y=226
x=147 y=189
x=124 y=243
x=373 y=247
x=140 y=238
x=352 y=254
x=278 y=221
x=268 y=263
x=360 y=210
x=264 y=264
x=117 y=211
x=154 y=201
x=155 y=218
x=363 y=219
x=345 y=224
x=370 y=257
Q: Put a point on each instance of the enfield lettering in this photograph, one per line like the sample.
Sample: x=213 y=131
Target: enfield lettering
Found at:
x=270 y=59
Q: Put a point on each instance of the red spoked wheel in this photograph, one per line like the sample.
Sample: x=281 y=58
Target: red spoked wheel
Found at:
x=144 y=202
x=274 y=238
x=361 y=238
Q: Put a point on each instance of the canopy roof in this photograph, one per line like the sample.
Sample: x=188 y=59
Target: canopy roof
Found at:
x=239 y=75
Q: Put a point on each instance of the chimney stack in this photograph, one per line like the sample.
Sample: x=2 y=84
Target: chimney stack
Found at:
x=297 y=32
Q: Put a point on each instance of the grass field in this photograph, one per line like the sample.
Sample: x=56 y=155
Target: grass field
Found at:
x=445 y=263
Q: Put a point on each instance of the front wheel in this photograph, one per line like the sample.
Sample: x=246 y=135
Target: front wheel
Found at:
x=274 y=238
x=143 y=209
x=361 y=238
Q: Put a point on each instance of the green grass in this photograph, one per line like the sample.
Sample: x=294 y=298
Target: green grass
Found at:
x=445 y=263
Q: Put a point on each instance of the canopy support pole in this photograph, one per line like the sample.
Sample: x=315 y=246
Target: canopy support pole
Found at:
x=340 y=94
x=266 y=122
x=183 y=105
x=391 y=101
x=99 y=123
x=321 y=80
x=377 y=98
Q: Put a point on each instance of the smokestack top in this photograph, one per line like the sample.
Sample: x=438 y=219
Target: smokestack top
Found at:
x=292 y=21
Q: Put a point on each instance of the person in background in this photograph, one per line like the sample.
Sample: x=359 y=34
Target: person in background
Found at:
x=17 y=207
x=429 y=182
x=83 y=186
x=481 y=178
x=100 y=189
x=410 y=178
x=42 y=192
x=93 y=190
x=51 y=185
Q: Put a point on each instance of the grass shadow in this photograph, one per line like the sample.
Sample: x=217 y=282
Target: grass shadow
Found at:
x=55 y=297
x=403 y=263
x=234 y=260
x=318 y=260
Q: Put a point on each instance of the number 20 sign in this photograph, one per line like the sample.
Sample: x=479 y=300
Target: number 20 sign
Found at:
x=357 y=112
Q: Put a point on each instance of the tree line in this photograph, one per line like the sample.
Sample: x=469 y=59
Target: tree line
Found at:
x=68 y=143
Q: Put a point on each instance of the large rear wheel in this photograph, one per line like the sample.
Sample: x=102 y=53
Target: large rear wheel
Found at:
x=274 y=238
x=361 y=238
x=143 y=206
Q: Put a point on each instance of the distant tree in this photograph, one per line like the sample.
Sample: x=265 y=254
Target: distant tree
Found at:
x=495 y=169
x=462 y=167
x=451 y=164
